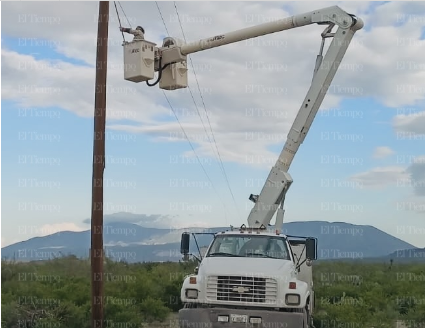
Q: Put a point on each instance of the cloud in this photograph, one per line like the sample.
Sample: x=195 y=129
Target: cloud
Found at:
x=417 y=175
x=252 y=90
x=150 y=221
x=411 y=123
x=380 y=177
x=46 y=83
x=394 y=80
x=49 y=229
x=412 y=177
x=382 y=152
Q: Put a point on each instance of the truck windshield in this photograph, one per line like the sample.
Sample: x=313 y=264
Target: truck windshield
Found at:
x=249 y=246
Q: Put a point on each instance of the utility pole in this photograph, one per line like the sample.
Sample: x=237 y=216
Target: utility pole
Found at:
x=96 y=251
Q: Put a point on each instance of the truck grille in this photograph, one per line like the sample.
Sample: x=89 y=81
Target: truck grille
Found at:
x=242 y=289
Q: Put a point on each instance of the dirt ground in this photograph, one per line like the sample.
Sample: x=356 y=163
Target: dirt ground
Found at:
x=170 y=322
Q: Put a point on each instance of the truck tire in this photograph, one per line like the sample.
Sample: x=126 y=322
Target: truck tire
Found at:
x=307 y=318
x=307 y=322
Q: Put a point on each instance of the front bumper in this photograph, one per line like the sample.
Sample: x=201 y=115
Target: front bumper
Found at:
x=208 y=318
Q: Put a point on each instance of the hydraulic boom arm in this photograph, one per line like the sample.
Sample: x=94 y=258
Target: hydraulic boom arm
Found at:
x=172 y=51
x=170 y=62
x=272 y=195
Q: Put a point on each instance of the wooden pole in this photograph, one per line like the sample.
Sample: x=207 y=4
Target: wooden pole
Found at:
x=96 y=251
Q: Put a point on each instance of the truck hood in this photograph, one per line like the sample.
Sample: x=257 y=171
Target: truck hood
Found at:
x=245 y=266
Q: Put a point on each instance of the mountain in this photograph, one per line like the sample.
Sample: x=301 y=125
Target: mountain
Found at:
x=408 y=255
x=133 y=243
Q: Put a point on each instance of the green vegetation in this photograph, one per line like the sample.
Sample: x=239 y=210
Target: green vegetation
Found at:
x=356 y=294
x=56 y=293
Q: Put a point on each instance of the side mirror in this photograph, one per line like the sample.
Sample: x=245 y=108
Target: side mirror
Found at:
x=311 y=249
x=184 y=245
x=196 y=270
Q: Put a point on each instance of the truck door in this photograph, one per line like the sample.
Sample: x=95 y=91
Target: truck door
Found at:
x=298 y=250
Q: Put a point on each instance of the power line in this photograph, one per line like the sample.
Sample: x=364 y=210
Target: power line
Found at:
x=156 y=2
x=165 y=25
x=160 y=13
x=209 y=122
x=190 y=143
x=124 y=14
x=119 y=20
x=190 y=90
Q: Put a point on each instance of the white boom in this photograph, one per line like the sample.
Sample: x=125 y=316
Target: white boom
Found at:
x=171 y=59
x=172 y=52
x=272 y=195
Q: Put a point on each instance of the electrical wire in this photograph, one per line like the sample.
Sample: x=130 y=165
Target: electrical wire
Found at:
x=156 y=2
x=225 y=213
x=206 y=112
x=159 y=74
x=124 y=14
x=190 y=143
x=119 y=20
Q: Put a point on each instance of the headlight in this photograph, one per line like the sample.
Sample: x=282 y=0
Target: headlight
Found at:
x=292 y=299
x=255 y=320
x=191 y=293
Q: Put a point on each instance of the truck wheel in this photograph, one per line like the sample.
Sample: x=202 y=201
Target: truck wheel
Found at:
x=307 y=318
x=305 y=323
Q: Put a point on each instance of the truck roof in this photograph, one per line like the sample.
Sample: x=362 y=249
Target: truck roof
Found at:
x=251 y=232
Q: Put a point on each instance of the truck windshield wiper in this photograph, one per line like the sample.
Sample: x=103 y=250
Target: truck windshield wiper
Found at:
x=261 y=254
x=223 y=254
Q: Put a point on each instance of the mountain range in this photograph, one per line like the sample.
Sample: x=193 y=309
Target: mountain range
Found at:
x=132 y=242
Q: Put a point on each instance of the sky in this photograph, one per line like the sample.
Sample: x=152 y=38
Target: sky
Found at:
x=362 y=162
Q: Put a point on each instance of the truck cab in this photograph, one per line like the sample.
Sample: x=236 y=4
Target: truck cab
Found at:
x=250 y=276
